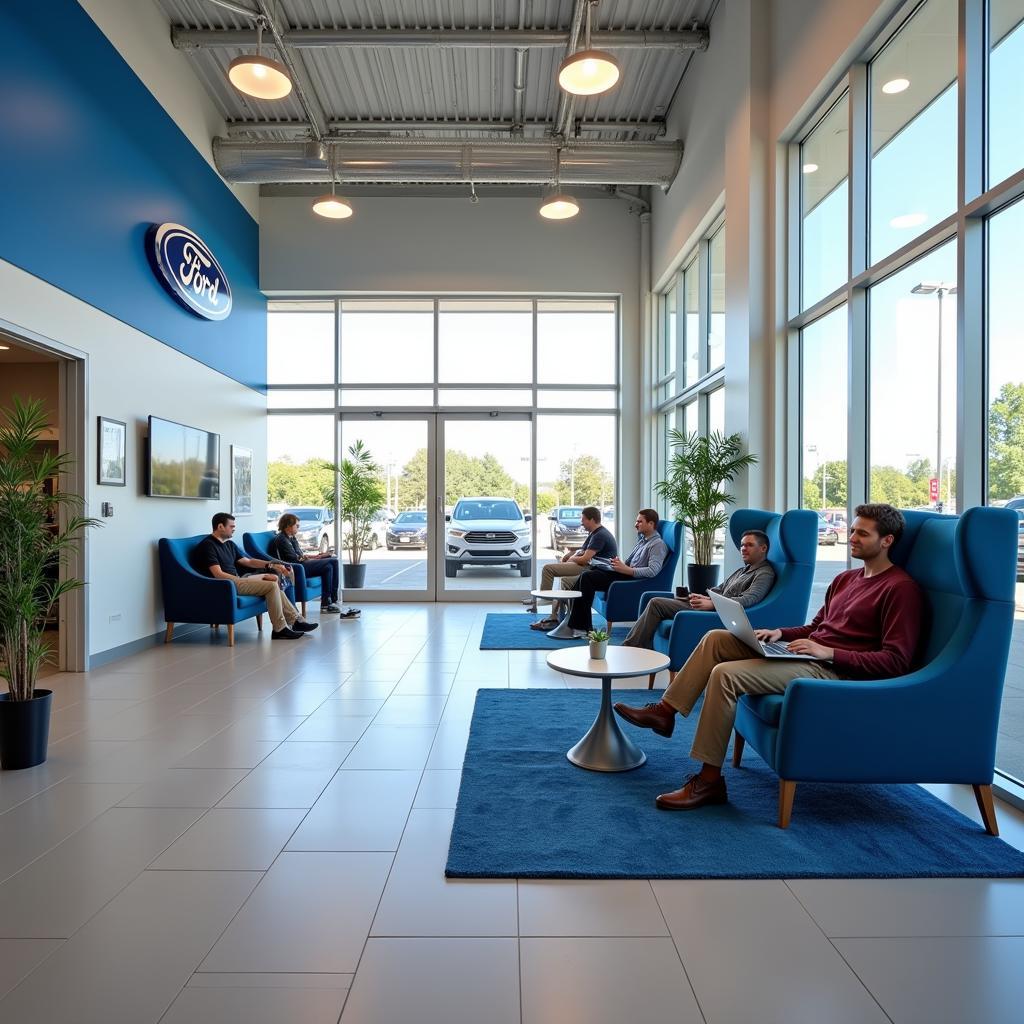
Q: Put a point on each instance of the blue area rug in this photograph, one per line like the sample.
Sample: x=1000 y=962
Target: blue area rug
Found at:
x=510 y=631
x=525 y=811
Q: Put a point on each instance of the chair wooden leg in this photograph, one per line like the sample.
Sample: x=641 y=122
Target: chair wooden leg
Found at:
x=231 y=635
x=169 y=635
x=303 y=609
x=611 y=626
x=650 y=681
x=738 y=744
x=983 y=794
x=259 y=622
x=786 y=791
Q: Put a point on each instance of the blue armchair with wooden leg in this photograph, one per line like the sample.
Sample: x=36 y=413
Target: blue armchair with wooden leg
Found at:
x=305 y=587
x=936 y=724
x=792 y=550
x=191 y=597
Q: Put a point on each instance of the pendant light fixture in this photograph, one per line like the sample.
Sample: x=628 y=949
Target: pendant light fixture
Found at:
x=259 y=76
x=332 y=206
x=588 y=72
x=559 y=205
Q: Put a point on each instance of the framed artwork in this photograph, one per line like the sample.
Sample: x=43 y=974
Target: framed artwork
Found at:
x=241 y=481
x=111 y=450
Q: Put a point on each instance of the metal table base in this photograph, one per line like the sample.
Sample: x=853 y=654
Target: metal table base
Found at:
x=563 y=631
x=605 y=748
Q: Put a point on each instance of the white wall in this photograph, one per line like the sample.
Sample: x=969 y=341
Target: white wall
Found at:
x=140 y=32
x=131 y=376
x=431 y=245
x=769 y=63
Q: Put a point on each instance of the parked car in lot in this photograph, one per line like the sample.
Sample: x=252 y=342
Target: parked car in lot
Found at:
x=1017 y=504
x=407 y=530
x=488 y=531
x=315 y=525
x=837 y=520
x=827 y=533
x=566 y=529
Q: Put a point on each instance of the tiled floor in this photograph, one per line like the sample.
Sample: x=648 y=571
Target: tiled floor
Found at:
x=258 y=835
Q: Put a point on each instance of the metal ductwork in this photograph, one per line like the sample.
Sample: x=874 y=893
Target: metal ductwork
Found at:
x=428 y=161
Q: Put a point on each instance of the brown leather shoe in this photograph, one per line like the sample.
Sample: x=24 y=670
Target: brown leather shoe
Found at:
x=650 y=716
x=694 y=793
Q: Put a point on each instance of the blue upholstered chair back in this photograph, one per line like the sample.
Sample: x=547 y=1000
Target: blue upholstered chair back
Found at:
x=174 y=562
x=256 y=543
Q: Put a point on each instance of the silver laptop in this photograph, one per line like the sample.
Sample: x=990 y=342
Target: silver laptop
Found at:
x=735 y=620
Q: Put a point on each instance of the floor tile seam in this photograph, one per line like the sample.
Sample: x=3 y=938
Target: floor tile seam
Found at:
x=838 y=951
x=679 y=952
x=38 y=966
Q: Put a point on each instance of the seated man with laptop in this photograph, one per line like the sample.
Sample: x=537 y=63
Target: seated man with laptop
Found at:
x=748 y=585
x=867 y=629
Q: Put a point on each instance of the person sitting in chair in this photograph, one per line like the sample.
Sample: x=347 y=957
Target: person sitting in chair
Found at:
x=286 y=547
x=220 y=558
x=748 y=585
x=599 y=544
x=643 y=562
x=868 y=628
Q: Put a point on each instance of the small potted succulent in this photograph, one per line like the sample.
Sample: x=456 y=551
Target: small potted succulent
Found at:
x=598 y=644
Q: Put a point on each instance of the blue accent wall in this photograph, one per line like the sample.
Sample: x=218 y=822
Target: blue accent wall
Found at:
x=88 y=160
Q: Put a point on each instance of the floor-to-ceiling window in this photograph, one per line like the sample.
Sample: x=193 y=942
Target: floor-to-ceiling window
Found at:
x=905 y=273
x=457 y=400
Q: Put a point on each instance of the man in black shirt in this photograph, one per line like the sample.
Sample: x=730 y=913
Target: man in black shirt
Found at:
x=219 y=557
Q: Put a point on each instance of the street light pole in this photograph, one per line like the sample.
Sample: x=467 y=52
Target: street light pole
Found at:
x=940 y=289
x=814 y=448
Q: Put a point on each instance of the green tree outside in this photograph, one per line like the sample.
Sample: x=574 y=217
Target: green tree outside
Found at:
x=584 y=481
x=1006 y=443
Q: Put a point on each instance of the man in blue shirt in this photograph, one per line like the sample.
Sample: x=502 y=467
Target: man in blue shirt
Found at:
x=599 y=544
x=643 y=562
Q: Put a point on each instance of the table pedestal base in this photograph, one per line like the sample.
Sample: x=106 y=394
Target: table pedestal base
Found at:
x=563 y=631
x=605 y=748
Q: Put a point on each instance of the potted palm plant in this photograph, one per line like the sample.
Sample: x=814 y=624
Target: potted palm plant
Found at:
x=33 y=545
x=698 y=470
x=362 y=497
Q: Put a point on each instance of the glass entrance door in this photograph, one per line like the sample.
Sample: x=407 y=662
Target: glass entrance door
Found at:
x=485 y=497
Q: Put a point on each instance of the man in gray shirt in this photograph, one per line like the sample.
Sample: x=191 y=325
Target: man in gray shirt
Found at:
x=748 y=585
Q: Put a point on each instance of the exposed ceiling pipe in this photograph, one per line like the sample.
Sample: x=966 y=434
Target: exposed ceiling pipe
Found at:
x=451 y=160
x=566 y=101
x=317 y=38
x=519 y=92
x=300 y=129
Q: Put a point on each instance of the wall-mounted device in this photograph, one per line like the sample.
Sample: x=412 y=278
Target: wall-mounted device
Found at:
x=107 y=509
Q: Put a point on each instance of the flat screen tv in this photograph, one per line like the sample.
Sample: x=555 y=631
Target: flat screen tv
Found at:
x=184 y=462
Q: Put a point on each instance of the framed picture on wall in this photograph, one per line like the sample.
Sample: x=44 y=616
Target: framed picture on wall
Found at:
x=111 y=449
x=241 y=481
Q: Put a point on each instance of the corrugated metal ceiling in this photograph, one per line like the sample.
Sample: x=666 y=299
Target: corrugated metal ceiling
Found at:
x=384 y=84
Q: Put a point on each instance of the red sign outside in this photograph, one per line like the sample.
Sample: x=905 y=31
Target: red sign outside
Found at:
x=933 y=489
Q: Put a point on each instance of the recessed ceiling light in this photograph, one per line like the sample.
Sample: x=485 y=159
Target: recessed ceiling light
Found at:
x=810 y=168
x=559 y=206
x=896 y=85
x=908 y=220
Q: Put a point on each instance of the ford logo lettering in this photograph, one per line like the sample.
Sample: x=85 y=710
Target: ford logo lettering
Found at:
x=188 y=270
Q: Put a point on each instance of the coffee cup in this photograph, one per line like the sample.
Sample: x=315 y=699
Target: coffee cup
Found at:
x=682 y=593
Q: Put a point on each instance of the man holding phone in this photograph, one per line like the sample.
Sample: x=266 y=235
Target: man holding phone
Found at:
x=748 y=585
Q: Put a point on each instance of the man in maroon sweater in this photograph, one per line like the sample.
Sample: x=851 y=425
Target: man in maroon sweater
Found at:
x=867 y=629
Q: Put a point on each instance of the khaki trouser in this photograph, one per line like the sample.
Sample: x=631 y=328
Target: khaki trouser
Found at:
x=657 y=611
x=723 y=666
x=281 y=611
x=566 y=571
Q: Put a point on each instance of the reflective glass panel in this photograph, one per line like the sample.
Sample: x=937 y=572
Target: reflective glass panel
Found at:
x=485 y=342
x=1005 y=88
x=576 y=342
x=550 y=399
x=913 y=117
x=300 y=457
x=300 y=343
x=912 y=323
x=691 y=321
x=387 y=342
x=300 y=399
x=716 y=306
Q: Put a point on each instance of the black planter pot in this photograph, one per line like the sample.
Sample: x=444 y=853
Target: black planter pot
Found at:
x=700 y=577
x=353 y=576
x=24 y=730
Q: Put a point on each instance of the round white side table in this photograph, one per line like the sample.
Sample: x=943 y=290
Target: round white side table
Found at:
x=563 y=631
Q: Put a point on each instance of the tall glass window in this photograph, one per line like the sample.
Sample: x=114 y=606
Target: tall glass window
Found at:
x=488 y=341
x=1005 y=358
x=668 y=347
x=913 y=384
x=716 y=411
x=575 y=342
x=913 y=117
x=387 y=341
x=824 y=173
x=716 y=301
x=300 y=343
x=691 y=321
x=1005 y=89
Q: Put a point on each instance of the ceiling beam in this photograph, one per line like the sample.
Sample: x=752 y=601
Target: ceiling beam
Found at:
x=316 y=38
x=301 y=129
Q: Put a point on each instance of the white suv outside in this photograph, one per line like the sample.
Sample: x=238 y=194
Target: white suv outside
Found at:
x=488 y=531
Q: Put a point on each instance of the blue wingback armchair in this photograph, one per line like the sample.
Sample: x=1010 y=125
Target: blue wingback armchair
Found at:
x=621 y=602
x=939 y=722
x=191 y=597
x=305 y=588
x=792 y=550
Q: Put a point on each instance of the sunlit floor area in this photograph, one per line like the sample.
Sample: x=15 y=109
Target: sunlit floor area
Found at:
x=259 y=834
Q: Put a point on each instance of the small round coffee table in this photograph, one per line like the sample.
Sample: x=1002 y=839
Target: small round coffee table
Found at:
x=605 y=748
x=563 y=631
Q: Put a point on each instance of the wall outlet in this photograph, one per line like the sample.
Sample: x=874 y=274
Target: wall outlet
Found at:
x=114 y=617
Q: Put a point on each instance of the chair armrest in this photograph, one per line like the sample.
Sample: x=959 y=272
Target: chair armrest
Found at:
x=650 y=596
x=189 y=597
x=688 y=629
x=623 y=596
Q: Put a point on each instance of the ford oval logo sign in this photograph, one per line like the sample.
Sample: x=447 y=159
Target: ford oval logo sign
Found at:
x=189 y=271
